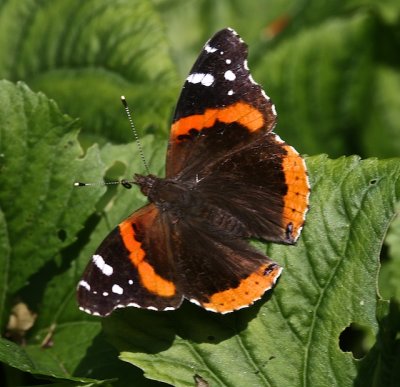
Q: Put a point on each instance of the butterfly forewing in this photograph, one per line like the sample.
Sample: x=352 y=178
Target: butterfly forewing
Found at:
x=132 y=268
x=220 y=106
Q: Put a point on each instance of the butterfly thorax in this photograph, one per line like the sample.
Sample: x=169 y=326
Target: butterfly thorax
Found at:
x=182 y=200
x=166 y=194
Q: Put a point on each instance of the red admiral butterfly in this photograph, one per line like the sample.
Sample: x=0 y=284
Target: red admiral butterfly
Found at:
x=228 y=177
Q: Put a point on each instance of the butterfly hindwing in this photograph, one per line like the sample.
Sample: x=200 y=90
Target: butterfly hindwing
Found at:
x=220 y=272
x=265 y=185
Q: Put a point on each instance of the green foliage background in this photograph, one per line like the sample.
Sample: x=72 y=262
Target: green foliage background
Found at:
x=333 y=71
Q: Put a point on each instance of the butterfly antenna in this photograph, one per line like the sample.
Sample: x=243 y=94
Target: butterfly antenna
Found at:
x=125 y=183
x=135 y=134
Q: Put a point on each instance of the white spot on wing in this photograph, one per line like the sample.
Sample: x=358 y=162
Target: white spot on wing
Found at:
x=105 y=294
x=229 y=75
x=101 y=265
x=204 y=79
x=84 y=284
x=231 y=92
x=117 y=289
x=273 y=110
x=228 y=61
x=208 y=80
x=210 y=49
x=130 y=282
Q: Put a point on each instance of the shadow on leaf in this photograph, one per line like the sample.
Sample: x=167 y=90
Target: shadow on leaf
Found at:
x=136 y=330
x=381 y=367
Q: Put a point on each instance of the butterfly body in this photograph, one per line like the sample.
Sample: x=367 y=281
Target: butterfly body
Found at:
x=228 y=178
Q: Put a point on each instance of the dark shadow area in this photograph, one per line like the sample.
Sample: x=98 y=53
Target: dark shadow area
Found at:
x=381 y=366
x=101 y=362
x=136 y=330
x=33 y=292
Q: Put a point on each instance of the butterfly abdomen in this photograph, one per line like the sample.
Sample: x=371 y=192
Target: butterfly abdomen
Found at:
x=222 y=221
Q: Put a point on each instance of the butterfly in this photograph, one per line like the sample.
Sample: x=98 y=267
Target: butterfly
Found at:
x=228 y=178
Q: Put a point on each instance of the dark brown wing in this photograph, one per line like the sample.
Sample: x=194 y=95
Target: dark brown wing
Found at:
x=220 y=105
x=132 y=267
x=218 y=272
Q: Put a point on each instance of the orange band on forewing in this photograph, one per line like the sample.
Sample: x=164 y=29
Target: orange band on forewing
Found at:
x=296 y=198
x=249 y=290
x=149 y=278
x=240 y=112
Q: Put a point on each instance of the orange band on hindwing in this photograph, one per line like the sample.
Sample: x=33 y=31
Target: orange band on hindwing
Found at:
x=249 y=290
x=148 y=277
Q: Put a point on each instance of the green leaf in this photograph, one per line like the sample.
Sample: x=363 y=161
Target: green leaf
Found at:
x=91 y=55
x=382 y=135
x=4 y=261
x=40 y=159
x=42 y=211
x=318 y=85
x=329 y=282
x=17 y=357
